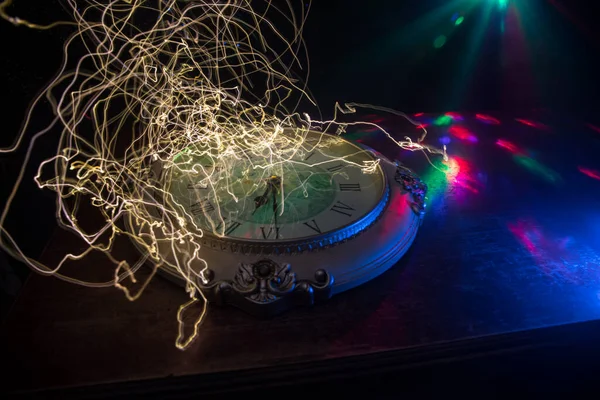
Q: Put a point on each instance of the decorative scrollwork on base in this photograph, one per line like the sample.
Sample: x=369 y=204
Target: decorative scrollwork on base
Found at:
x=267 y=288
x=413 y=185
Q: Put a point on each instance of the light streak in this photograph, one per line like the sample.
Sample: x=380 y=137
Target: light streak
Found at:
x=170 y=82
x=593 y=127
x=533 y=124
x=520 y=157
x=589 y=172
x=455 y=116
x=487 y=119
x=462 y=133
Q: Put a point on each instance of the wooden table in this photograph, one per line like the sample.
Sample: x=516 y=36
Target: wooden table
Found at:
x=476 y=272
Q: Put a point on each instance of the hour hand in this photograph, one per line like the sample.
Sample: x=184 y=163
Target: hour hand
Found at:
x=260 y=201
x=273 y=184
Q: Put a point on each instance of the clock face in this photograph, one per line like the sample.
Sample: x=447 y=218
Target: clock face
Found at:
x=319 y=188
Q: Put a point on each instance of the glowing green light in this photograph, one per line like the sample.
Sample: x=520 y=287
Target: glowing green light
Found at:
x=538 y=169
x=443 y=120
x=503 y=3
x=439 y=41
x=459 y=21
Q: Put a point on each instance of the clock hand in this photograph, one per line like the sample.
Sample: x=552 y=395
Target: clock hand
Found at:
x=261 y=200
x=276 y=186
x=273 y=184
x=274 y=195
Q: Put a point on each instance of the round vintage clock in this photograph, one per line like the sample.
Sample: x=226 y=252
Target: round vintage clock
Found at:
x=333 y=216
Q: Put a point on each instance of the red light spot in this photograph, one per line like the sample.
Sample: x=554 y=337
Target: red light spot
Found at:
x=552 y=255
x=462 y=133
x=455 y=116
x=487 y=119
x=590 y=172
x=422 y=126
x=526 y=122
x=508 y=146
x=532 y=124
x=419 y=114
x=520 y=233
x=376 y=119
x=594 y=128
x=459 y=174
x=370 y=130
x=467 y=186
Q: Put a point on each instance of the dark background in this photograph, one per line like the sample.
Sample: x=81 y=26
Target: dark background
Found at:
x=378 y=52
x=381 y=52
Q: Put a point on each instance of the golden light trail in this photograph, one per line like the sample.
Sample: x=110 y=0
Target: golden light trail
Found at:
x=169 y=82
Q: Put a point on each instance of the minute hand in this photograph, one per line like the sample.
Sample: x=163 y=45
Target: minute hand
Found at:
x=274 y=195
x=262 y=200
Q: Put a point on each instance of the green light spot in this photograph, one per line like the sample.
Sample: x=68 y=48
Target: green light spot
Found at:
x=439 y=41
x=538 y=169
x=436 y=178
x=443 y=120
x=502 y=3
x=459 y=21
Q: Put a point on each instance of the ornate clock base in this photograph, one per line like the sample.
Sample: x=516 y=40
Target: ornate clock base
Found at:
x=268 y=284
x=267 y=288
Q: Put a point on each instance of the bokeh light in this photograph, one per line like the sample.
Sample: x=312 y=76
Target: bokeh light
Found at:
x=589 y=172
x=443 y=120
x=532 y=124
x=462 y=133
x=439 y=41
x=593 y=127
x=487 y=119
x=522 y=159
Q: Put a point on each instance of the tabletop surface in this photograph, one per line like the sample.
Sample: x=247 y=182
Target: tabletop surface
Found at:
x=510 y=242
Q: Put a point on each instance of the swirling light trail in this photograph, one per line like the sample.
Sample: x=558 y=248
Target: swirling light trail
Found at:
x=161 y=79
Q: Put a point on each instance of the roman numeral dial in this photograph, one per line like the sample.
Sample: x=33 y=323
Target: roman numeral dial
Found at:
x=343 y=208
x=321 y=189
x=270 y=232
x=350 y=187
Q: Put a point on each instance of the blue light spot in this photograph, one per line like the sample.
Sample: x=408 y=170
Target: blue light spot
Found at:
x=445 y=140
x=455 y=17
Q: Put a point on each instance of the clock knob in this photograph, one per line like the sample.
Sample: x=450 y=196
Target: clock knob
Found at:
x=263 y=271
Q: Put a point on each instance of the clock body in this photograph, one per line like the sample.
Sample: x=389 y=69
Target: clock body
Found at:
x=278 y=235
